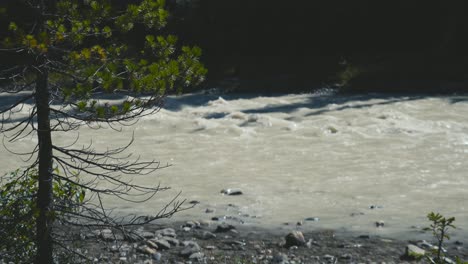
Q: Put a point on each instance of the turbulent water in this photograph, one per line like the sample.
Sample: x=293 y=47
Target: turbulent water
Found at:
x=347 y=160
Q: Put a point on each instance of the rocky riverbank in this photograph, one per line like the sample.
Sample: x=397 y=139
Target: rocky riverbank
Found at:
x=215 y=242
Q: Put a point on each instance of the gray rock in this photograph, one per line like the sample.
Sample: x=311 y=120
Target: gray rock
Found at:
x=312 y=219
x=190 y=247
x=146 y=250
x=161 y=243
x=414 y=252
x=295 y=238
x=107 y=235
x=151 y=244
x=233 y=191
x=186 y=229
x=222 y=228
x=197 y=256
x=166 y=232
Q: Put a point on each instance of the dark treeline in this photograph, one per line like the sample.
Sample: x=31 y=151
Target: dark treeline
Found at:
x=366 y=45
x=361 y=45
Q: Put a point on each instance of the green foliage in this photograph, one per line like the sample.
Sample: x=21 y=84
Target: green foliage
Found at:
x=348 y=74
x=86 y=45
x=18 y=211
x=440 y=227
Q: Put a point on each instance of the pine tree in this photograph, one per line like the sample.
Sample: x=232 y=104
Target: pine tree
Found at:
x=62 y=56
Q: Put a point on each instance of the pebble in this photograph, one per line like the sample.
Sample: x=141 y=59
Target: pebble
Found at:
x=312 y=219
x=234 y=191
x=186 y=229
x=295 y=238
x=151 y=244
x=380 y=223
x=146 y=250
x=161 y=243
x=194 y=202
x=167 y=232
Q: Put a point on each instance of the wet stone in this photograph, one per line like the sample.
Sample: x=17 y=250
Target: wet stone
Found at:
x=233 y=191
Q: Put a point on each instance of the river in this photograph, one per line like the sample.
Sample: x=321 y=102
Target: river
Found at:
x=347 y=160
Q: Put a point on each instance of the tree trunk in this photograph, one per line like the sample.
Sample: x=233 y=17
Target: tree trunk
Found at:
x=44 y=194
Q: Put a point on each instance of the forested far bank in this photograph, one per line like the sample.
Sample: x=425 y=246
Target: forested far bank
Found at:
x=361 y=46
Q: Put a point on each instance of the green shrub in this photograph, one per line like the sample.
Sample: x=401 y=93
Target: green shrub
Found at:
x=18 y=212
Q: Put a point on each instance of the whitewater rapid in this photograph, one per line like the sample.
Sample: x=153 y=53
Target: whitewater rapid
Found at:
x=348 y=161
